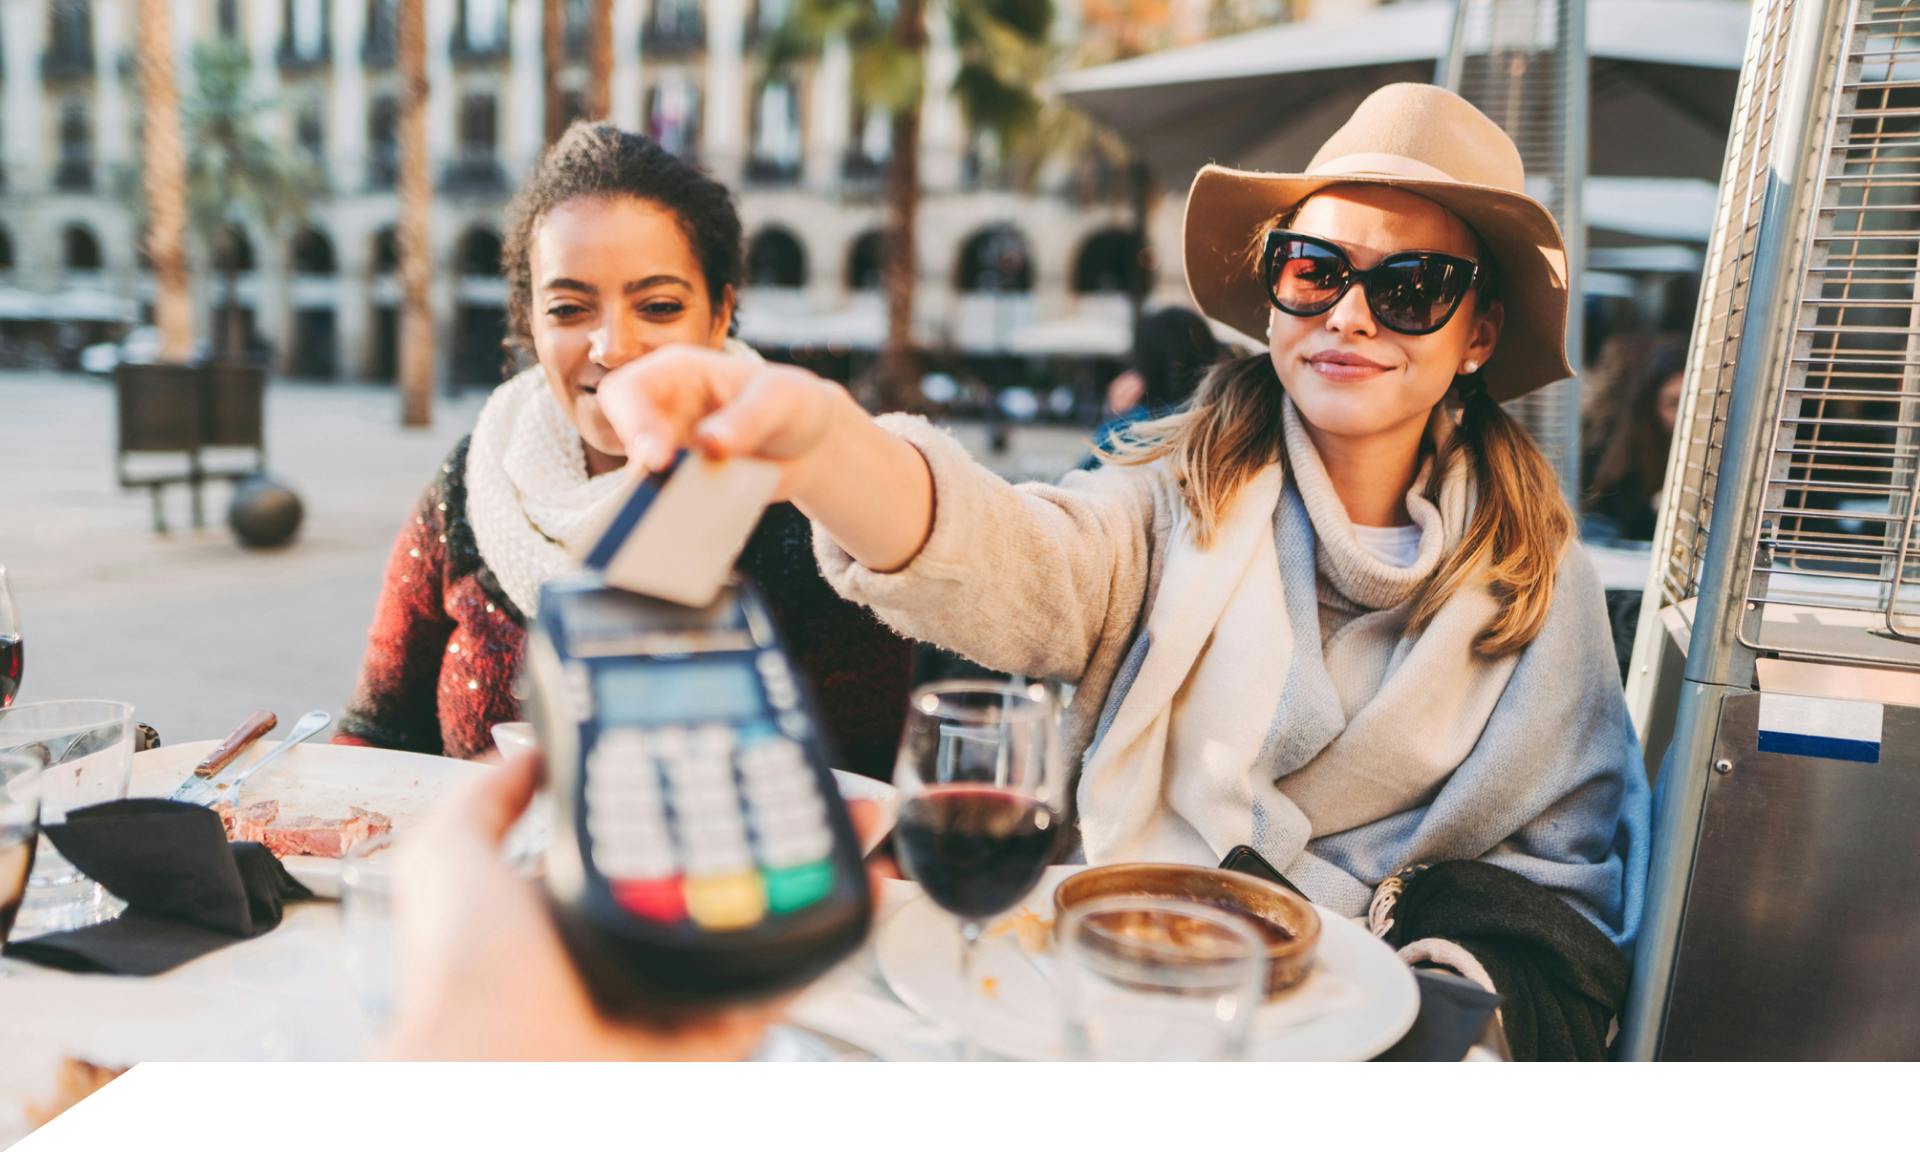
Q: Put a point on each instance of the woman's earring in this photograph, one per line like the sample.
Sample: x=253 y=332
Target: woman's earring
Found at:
x=1470 y=367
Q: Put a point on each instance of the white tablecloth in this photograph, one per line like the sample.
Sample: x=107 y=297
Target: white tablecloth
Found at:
x=286 y=996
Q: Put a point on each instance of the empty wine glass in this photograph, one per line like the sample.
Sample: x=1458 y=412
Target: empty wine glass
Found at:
x=86 y=750
x=20 y=778
x=366 y=925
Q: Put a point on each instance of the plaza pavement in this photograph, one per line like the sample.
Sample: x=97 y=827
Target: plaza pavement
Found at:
x=193 y=629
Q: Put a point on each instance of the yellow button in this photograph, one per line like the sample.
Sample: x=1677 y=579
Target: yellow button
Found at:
x=720 y=903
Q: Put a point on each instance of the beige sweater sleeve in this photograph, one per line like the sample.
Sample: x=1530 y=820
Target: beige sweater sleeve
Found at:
x=1026 y=579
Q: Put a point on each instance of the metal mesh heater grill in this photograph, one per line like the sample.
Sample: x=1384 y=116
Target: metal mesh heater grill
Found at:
x=1724 y=292
x=1830 y=571
x=1776 y=666
x=1838 y=514
x=1523 y=63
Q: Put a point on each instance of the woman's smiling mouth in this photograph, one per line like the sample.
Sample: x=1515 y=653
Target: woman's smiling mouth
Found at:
x=1344 y=366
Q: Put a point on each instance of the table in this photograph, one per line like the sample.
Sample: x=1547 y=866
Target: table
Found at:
x=286 y=996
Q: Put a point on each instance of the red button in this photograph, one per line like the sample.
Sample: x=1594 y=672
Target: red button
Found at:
x=661 y=900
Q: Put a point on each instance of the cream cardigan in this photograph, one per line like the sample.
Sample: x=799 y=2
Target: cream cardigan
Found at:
x=1341 y=767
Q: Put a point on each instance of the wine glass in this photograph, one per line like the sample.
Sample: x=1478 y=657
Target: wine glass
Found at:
x=85 y=748
x=366 y=924
x=20 y=777
x=13 y=653
x=978 y=774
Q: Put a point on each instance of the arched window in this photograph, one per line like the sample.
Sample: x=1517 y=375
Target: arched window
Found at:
x=6 y=250
x=80 y=249
x=386 y=251
x=1107 y=261
x=480 y=253
x=235 y=248
x=867 y=264
x=995 y=259
x=313 y=253
x=776 y=260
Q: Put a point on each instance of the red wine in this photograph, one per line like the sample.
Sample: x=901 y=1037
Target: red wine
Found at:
x=16 y=863
x=976 y=851
x=13 y=665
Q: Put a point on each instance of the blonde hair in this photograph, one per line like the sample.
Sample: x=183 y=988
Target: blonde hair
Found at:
x=1521 y=523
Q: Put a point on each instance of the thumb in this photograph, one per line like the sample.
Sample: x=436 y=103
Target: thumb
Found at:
x=497 y=799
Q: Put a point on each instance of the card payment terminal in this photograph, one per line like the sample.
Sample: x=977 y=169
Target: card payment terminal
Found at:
x=701 y=851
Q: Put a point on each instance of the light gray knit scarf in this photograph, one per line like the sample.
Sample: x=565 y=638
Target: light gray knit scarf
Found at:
x=1343 y=761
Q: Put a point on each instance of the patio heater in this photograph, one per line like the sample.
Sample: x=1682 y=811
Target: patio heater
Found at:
x=1524 y=63
x=1776 y=677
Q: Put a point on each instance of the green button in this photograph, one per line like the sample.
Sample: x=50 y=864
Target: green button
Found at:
x=791 y=889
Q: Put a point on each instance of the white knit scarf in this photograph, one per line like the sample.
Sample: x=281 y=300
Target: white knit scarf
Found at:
x=1200 y=753
x=529 y=497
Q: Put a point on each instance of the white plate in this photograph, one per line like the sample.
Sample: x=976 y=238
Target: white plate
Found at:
x=1358 y=1000
x=324 y=779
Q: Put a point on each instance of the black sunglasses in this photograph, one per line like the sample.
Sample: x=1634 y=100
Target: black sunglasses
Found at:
x=1412 y=293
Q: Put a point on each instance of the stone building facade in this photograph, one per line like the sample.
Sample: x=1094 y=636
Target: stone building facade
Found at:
x=1008 y=267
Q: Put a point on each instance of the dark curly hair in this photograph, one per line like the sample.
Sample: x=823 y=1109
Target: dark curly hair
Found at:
x=598 y=161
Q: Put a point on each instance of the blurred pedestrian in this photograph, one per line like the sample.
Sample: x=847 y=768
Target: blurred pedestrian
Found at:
x=1172 y=350
x=1629 y=433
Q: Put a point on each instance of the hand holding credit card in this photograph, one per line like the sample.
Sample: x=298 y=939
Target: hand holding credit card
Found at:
x=679 y=530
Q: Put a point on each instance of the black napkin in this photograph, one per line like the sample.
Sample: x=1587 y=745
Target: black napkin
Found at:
x=188 y=891
x=1454 y=1012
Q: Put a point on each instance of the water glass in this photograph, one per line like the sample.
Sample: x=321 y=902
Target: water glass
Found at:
x=1151 y=978
x=85 y=749
x=366 y=926
x=20 y=778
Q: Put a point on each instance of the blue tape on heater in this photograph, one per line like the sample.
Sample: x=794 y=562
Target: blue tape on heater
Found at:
x=1826 y=729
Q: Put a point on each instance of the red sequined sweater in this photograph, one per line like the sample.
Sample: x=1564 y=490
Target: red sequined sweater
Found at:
x=444 y=648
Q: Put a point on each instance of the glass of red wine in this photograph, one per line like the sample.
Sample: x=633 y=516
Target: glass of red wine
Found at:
x=978 y=776
x=13 y=656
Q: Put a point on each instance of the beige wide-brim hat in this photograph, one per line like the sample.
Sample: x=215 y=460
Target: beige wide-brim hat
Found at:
x=1430 y=142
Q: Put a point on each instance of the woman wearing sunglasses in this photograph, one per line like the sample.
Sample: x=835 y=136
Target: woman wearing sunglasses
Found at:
x=1333 y=608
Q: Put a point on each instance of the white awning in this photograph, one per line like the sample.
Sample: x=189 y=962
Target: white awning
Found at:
x=861 y=326
x=1689 y=33
x=1073 y=336
x=1663 y=80
x=74 y=304
x=1650 y=208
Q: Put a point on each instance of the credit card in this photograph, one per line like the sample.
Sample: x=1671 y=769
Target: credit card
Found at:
x=678 y=532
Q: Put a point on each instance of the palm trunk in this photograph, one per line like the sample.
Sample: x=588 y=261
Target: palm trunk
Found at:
x=898 y=365
x=233 y=344
x=164 y=175
x=600 y=62
x=416 y=309
x=553 y=59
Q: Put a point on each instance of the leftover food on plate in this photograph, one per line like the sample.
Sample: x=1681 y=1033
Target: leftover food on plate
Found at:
x=329 y=838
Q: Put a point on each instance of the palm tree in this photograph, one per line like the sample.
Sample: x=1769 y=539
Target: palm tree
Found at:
x=600 y=61
x=233 y=172
x=1002 y=48
x=164 y=180
x=597 y=35
x=553 y=60
x=416 y=193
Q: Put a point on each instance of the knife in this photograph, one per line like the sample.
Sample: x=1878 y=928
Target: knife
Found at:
x=237 y=741
x=206 y=790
